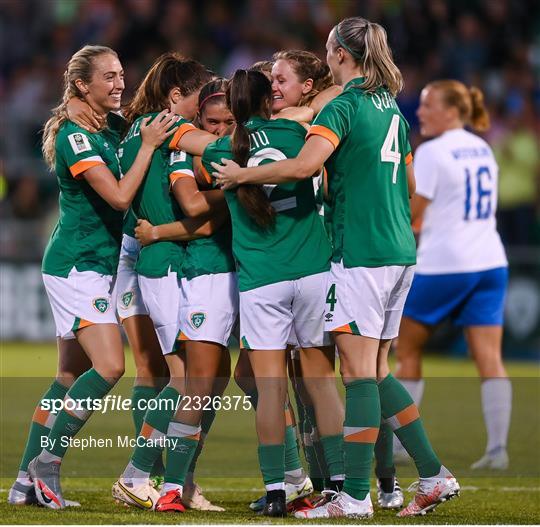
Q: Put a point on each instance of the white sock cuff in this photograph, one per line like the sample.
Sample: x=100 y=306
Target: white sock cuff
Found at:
x=275 y=486
x=171 y=486
x=177 y=429
x=47 y=457
x=415 y=389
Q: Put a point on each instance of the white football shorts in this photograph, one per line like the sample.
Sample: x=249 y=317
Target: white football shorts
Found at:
x=80 y=300
x=367 y=301
x=161 y=297
x=269 y=313
x=129 y=300
x=209 y=307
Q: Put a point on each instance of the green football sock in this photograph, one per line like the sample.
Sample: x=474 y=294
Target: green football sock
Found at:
x=155 y=426
x=41 y=424
x=139 y=403
x=402 y=415
x=272 y=463
x=89 y=387
x=292 y=454
x=207 y=420
x=182 y=442
x=384 y=452
x=333 y=453
x=362 y=420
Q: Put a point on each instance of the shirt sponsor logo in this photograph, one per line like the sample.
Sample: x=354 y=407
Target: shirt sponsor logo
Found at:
x=177 y=156
x=197 y=319
x=126 y=299
x=101 y=304
x=79 y=143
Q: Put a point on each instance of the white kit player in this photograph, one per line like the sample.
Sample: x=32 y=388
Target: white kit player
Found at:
x=462 y=270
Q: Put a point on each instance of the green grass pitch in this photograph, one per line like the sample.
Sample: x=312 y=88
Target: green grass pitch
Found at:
x=228 y=470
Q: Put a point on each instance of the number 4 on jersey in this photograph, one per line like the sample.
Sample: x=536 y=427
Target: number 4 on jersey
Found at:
x=331 y=297
x=390 y=148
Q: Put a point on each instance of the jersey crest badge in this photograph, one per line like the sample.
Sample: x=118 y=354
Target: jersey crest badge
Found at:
x=79 y=143
x=126 y=299
x=101 y=304
x=197 y=319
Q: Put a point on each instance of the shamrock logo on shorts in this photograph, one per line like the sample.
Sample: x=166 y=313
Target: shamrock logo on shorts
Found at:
x=197 y=319
x=127 y=298
x=101 y=304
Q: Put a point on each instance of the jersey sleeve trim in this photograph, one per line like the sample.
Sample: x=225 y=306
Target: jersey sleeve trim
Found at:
x=84 y=164
x=408 y=158
x=179 y=174
x=318 y=129
x=182 y=129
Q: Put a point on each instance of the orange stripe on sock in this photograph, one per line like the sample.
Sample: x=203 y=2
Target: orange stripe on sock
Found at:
x=346 y=328
x=195 y=437
x=146 y=430
x=369 y=435
x=40 y=416
x=408 y=415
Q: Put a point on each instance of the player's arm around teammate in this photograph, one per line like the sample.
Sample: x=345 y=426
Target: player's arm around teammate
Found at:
x=209 y=302
x=174 y=82
x=456 y=197
x=375 y=201
x=298 y=77
x=282 y=255
x=80 y=260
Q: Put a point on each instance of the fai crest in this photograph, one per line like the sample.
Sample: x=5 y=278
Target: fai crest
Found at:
x=101 y=304
x=126 y=299
x=197 y=319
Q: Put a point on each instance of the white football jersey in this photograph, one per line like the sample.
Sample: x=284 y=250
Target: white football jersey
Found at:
x=458 y=173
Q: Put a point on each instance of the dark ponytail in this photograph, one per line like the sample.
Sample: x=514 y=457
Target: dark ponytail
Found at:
x=249 y=93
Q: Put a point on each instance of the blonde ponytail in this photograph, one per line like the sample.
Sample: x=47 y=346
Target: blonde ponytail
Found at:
x=81 y=67
x=479 y=120
x=367 y=42
x=468 y=101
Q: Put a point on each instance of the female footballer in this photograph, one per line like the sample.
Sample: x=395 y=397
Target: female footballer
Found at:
x=283 y=255
x=81 y=258
x=362 y=137
x=174 y=82
x=301 y=82
x=462 y=271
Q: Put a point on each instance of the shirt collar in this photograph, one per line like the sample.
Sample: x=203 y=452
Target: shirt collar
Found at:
x=357 y=81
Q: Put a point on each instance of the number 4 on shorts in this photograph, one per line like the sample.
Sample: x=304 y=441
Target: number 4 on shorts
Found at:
x=331 y=297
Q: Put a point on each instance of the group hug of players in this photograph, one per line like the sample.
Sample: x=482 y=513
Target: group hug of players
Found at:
x=280 y=198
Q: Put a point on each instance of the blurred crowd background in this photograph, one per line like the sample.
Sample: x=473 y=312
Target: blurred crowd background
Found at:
x=494 y=44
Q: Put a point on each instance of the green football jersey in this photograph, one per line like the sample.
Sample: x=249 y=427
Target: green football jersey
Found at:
x=297 y=245
x=130 y=222
x=153 y=202
x=369 y=200
x=209 y=255
x=89 y=231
